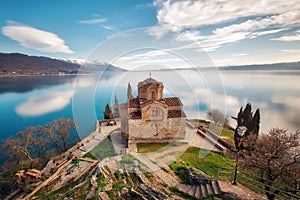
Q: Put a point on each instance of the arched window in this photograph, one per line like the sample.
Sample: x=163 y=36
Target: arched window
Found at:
x=153 y=95
x=155 y=129
x=155 y=113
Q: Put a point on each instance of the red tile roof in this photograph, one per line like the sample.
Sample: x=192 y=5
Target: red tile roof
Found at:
x=172 y=101
x=134 y=103
x=33 y=172
x=135 y=115
x=175 y=113
x=143 y=104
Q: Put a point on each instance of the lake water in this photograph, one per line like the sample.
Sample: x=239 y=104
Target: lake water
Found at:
x=30 y=101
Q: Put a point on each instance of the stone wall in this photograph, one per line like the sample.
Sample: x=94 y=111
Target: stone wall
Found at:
x=176 y=127
x=124 y=118
x=156 y=130
x=162 y=113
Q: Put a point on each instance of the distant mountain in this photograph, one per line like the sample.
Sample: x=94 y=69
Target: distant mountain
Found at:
x=255 y=67
x=24 y=64
x=275 y=66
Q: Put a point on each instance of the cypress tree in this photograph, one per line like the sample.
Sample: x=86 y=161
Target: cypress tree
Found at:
x=129 y=91
x=116 y=112
x=108 y=113
x=256 y=122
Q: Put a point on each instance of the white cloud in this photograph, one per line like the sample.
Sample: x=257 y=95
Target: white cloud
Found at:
x=35 y=39
x=144 y=56
x=97 y=20
x=240 y=54
x=289 y=51
x=193 y=13
x=152 y=59
x=232 y=33
x=193 y=35
x=247 y=20
x=45 y=103
x=159 y=31
x=110 y=28
x=143 y=5
x=289 y=38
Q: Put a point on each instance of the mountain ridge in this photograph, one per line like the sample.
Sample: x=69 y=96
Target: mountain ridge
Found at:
x=17 y=63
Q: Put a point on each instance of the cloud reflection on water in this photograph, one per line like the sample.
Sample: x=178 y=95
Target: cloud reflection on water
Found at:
x=45 y=103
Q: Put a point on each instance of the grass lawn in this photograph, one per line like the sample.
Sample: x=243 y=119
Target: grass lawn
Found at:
x=150 y=147
x=224 y=132
x=153 y=147
x=103 y=150
x=209 y=162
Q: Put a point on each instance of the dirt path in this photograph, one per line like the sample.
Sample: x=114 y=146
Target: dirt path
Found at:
x=240 y=191
x=167 y=155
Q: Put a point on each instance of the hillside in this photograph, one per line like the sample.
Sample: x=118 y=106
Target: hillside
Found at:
x=16 y=63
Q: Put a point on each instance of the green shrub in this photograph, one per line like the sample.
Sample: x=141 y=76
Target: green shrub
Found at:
x=118 y=175
x=180 y=171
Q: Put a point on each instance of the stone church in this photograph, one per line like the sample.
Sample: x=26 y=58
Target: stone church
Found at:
x=151 y=118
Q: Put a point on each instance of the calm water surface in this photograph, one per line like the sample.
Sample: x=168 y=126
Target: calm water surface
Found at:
x=30 y=101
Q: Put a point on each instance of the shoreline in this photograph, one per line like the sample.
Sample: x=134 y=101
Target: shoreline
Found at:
x=30 y=75
x=39 y=75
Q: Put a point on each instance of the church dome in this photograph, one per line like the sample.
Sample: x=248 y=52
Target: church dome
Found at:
x=150 y=89
x=149 y=81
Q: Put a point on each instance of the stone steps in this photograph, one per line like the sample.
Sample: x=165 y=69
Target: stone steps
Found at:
x=204 y=190
x=209 y=188
x=191 y=191
x=216 y=187
x=198 y=193
x=201 y=191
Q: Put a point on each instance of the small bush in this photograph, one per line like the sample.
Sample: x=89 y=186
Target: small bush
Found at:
x=180 y=171
x=118 y=175
x=164 y=185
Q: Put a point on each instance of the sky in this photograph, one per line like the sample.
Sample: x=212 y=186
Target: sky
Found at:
x=231 y=32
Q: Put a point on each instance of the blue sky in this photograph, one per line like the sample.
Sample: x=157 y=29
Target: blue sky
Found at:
x=231 y=32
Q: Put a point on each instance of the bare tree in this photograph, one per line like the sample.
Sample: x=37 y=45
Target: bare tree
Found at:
x=59 y=132
x=33 y=147
x=26 y=144
x=277 y=158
